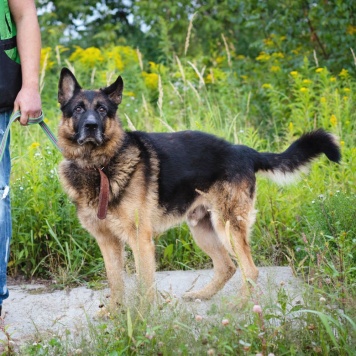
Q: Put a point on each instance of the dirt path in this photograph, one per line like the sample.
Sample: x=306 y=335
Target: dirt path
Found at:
x=32 y=312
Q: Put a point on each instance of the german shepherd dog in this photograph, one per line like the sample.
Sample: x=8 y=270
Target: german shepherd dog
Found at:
x=131 y=186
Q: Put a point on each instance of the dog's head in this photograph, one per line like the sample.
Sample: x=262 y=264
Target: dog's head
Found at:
x=89 y=123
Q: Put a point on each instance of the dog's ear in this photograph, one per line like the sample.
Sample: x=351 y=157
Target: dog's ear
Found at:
x=67 y=86
x=114 y=91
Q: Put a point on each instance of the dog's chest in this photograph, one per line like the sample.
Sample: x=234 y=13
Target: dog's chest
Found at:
x=81 y=185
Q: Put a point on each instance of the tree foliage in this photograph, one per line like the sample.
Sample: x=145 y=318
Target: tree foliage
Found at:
x=325 y=29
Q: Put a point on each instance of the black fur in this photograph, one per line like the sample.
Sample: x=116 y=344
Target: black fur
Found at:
x=300 y=153
x=185 y=165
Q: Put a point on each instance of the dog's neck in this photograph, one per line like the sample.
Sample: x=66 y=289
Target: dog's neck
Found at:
x=93 y=162
x=89 y=156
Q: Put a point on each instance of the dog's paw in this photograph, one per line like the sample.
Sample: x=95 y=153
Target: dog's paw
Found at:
x=103 y=313
x=189 y=296
x=194 y=296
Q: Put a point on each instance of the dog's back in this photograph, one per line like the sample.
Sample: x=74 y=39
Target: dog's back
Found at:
x=193 y=160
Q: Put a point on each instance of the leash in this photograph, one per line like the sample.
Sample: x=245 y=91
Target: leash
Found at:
x=31 y=121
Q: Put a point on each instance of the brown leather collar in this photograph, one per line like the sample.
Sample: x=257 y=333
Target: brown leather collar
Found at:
x=103 y=195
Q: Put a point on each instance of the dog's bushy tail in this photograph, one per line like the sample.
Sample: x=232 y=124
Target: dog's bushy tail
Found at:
x=284 y=167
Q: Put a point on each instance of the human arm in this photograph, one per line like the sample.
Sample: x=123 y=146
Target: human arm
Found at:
x=28 y=100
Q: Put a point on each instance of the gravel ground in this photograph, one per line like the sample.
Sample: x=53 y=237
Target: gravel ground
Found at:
x=34 y=312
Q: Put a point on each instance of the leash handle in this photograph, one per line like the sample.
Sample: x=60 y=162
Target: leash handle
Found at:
x=31 y=121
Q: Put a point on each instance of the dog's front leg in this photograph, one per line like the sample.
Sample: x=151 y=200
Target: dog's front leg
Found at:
x=143 y=249
x=112 y=250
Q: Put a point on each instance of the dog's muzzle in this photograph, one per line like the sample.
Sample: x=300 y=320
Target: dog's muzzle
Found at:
x=91 y=130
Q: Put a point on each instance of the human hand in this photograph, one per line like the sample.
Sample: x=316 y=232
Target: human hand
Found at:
x=28 y=102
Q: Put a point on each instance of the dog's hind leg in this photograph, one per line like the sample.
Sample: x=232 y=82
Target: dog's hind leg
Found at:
x=233 y=219
x=242 y=253
x=207 y=239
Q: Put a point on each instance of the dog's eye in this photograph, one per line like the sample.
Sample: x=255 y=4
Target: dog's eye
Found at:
x=101 y=109
x=78 y=109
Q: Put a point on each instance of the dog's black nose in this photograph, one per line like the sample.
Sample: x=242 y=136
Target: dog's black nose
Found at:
x=91 y=126
x=91 y=123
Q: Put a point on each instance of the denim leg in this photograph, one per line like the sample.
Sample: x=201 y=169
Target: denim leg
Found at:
x=5 y=212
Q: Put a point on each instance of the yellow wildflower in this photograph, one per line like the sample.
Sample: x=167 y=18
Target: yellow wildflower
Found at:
x=303 y=89
x=34 y=145
x=319 y=70
x=275 y=69
x=323 y=99
x=151 y=80
x=220 y=59
x=157 y=67
x=294 y=73
x=333 y=120
x=347 y=90
x=244 y=77
x=128 y=54
x=129 y=93
x=342 y=143
x=215 y=75
x=114 y=56
x=46 y=120
x=346 y=98
x=283 y=38
x=263 y=57
x=62 y=49
x=88 y=57
x=351 y=30
x=120 y=57
x=278 y=55
x=45 y=58
x=210 y=78
x=291 y=126
x=44 y=53
x=240 y=56
x=154 y=66
x=344 y=73
x=268 y=42
x=267 y=86
x=307 y=81
x=333 y=79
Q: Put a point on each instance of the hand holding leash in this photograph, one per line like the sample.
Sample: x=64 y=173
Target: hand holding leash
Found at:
x=28 y=102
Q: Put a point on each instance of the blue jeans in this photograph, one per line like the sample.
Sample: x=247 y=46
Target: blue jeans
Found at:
x=5 y=210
